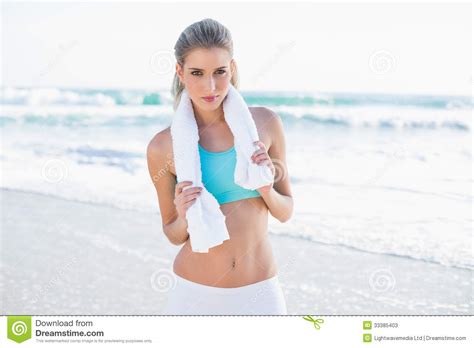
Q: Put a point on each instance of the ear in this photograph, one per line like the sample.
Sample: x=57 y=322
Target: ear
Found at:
x=179 y=72
x=233 y=66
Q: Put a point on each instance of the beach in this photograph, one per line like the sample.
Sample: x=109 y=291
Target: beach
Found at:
x=381 y=184
x=61 y=256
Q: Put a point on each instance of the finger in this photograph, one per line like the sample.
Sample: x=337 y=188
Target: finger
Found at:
x=191 y=197
x=261 y=157
x=261 y=153
x=192 y=190
x=187 y=205
x=257 y=152
x=182 y=184
x=260 y=144
x=179 y=187
x=187 y=196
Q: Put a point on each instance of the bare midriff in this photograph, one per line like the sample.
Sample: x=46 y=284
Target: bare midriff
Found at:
x=244 y=259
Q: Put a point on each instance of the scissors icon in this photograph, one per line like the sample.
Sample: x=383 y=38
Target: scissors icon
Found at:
x=316 y=322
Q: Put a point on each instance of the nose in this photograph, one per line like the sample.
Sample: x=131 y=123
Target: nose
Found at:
x=211 y=84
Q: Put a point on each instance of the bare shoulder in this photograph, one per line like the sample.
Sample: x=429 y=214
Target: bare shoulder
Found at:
x=266 y=121
x=161 y=142
x=160 y=147
x=262 y=114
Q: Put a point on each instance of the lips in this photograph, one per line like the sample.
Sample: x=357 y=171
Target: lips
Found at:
x=210 y=98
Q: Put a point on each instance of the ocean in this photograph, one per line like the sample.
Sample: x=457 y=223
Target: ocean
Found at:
x=379 y=173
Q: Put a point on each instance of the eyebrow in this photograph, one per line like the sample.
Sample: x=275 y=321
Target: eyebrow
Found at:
x=222 y=67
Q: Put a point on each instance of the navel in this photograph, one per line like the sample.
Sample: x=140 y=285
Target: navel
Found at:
x=233 y=263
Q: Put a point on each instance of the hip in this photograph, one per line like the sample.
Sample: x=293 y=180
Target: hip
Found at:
x=264 y=297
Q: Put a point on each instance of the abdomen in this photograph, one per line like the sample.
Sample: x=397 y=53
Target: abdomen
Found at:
x=244 y=259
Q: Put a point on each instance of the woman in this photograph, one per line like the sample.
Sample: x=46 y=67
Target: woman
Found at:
x=240 y=275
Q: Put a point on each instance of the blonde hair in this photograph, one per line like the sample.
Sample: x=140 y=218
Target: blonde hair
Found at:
x=207 y=33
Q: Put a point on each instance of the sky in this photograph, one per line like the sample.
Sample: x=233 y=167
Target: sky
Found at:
x=423 y=48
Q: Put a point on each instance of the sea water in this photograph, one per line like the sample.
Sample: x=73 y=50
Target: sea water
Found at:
x=389 y=174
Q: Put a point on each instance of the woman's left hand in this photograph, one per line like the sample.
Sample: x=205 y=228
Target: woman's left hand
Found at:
x=261 y=158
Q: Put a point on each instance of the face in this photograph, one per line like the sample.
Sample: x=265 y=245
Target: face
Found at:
x=206 y=72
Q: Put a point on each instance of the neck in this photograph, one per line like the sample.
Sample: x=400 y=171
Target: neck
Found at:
x=205 y=118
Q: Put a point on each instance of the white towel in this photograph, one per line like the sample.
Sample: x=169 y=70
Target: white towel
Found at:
x=206 y=223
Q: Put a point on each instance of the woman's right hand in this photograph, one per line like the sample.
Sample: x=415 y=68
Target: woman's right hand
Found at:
x=184 y=198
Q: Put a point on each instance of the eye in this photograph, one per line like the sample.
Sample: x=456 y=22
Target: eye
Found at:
x=198 y=73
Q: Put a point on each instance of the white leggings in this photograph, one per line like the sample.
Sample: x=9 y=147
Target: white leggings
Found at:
x=190 y=298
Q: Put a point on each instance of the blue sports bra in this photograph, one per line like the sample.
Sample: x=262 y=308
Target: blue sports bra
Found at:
x=218 y=176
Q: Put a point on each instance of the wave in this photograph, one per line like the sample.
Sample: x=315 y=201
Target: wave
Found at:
x=385 y=123
x=304 y=233
x=108 y=97
x=125 y=116
x=72 y=108
x=99 y=97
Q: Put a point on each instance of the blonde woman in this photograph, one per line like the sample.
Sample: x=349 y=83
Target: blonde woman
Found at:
x=240 y=275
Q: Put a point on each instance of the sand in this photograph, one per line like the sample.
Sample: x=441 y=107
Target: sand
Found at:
x=65 y=257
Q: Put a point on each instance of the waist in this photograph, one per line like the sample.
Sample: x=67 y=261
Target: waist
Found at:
x=249 y=288
x=245 y=258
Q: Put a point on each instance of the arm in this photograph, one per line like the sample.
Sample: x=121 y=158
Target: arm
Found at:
x=174 y=227
x=277 y=196
x=279 y=205
x=177 y=231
